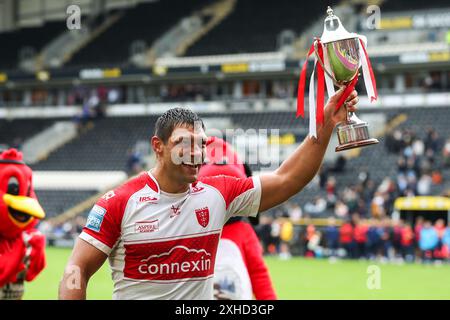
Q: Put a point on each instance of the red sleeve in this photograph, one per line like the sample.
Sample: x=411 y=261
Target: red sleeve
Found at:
x=257 y=269
x=242 y=196
x=36 y=241
x=103 y=226
x=11 y=259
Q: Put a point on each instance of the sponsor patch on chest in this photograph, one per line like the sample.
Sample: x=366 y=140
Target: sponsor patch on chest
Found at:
x=185 y=258
x=146 y=226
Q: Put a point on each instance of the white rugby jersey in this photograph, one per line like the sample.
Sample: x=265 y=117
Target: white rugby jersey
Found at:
x=162 y=245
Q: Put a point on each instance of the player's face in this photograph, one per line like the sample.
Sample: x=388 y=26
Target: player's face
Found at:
x=185 y=152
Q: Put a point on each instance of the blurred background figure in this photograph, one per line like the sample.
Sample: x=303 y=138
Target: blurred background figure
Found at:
x=428 y=242
x=240 y=271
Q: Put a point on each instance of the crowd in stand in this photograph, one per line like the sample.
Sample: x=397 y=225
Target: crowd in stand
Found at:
x=417 y=167
x=373 y=239
x=365 y=208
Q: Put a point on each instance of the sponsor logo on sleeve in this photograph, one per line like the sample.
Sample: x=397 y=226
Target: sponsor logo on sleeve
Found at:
x=95 y=218
x=108 y=195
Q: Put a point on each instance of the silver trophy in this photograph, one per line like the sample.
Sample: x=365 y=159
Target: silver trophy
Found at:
x=344 y=61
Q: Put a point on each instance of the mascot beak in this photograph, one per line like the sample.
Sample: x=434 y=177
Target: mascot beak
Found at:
x=25 y=205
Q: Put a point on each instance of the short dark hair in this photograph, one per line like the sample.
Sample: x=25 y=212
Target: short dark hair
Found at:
x=172 y=118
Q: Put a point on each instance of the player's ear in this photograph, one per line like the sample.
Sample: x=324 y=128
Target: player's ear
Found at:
x=157 y=145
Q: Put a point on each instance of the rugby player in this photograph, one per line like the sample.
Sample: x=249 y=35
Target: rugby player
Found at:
x=160 y=230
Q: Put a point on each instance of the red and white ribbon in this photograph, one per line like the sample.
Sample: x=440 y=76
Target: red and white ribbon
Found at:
x=301 y=86
x=316 y=106
x=369 y=78
x=312 y=105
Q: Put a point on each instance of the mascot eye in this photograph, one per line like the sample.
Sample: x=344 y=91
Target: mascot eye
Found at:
x=13 y=186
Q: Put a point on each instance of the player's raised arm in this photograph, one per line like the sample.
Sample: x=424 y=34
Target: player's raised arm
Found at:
x=83 y=263
x=300 y=167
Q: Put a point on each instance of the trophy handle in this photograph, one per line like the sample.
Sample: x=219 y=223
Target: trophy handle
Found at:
x=316 y=52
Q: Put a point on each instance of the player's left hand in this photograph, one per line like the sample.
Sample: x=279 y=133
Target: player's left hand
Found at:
x=339 y=116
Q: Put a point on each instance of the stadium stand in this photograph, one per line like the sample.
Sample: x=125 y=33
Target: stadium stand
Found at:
x=56 y=202
x=102 y=148
x=35 y=37
x=15 y=131
x=146 y=21
x=243 y=31
x=105 y=146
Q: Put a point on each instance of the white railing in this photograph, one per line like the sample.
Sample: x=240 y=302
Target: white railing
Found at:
x=385 y=101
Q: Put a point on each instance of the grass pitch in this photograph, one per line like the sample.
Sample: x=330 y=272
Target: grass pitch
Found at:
x=297 y=278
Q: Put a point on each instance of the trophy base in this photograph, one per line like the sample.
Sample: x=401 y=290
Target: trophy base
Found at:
x=354 y=134
x=356 y=144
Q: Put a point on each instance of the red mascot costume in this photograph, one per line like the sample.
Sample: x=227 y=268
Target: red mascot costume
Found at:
x=22 y=247
x=240 y=272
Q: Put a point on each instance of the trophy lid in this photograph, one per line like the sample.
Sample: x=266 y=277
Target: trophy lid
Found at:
x=333 y=30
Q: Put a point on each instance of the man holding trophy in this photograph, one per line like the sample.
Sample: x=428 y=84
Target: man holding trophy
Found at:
x=176 y=185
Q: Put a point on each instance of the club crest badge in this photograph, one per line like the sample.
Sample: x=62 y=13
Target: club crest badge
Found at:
x=202 y=216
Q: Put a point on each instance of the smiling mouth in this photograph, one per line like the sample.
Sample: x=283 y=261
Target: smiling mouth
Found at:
x=192 y=166
x=19 y=216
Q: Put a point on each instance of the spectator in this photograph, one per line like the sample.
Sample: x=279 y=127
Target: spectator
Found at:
x=360 y=231
x=386 y=235
x=286 y=236
x=332 y=237
x=424 y=185
x=436 y=177
x=314 y=244
x=134 y=162
x=429 y=240
x=317 y=206
x=347 y=240
x=446 y=153
x=339 y=165
x=263 y=231
x=378 y=205
x=323 y=175
x=446 y=242
x=432 y=141
x=373 y=239
x=397 y=228
x=275 y=232
x=439 y=226
x=407 y=242
x=310 y=231
x=295 y=212
x=341 y=209
x=418 y=147
x=330 y=188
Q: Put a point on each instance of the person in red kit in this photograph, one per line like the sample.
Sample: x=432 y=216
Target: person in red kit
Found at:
x=240 y=271
x=346 y=234
x=22 y=247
